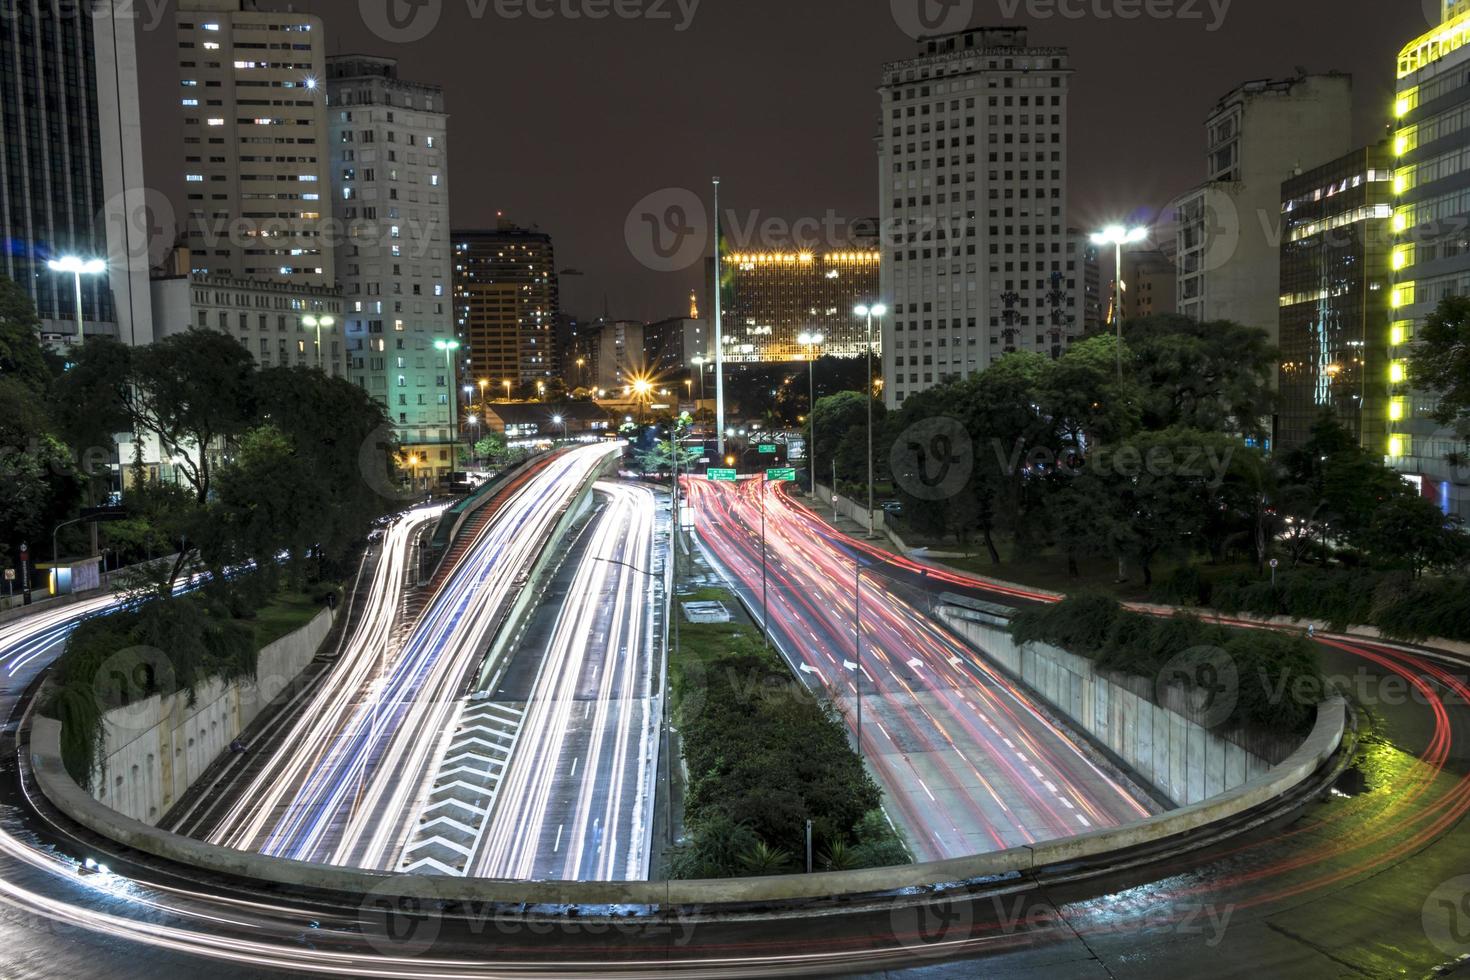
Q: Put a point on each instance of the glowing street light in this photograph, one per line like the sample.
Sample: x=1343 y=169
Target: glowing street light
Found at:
x=811 y=341
x=449 y=347
x=78 y=267
x=1118 y=236
x=318 y=324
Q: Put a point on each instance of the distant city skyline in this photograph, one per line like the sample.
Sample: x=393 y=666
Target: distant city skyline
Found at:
x=656 y=108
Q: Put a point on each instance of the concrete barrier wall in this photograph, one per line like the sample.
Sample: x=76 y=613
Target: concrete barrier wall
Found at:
x=153 y=751
x=1181 y=759
x=59 y=788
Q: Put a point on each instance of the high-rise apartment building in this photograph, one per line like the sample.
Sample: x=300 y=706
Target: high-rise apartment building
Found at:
x=1227 y=247
x=507 y=302
x=71 y=167
x=977 y=258
x=1431 y=146
x=390 y=197
x=253 y=90
x=772 y=298
x=1151 y=285
x=1335 y=284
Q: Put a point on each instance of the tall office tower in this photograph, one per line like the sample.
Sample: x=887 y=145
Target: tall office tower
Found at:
x=1227 y=248
x=255 y=142
x=390 y=195
x=507 y=301
x=977 y=257
x=1335 y=281
x=1431 y=145
x=71 y=167
x=1152 y=285
x=772 y=298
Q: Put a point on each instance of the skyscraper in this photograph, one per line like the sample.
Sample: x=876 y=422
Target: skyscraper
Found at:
x=1431 y=144
x=255 y=141
x=772 y=298
x=977 y=258
x=390 y=195
x=1257 y=137
x=71 y=181
x=507 y=302
x=1335 y=283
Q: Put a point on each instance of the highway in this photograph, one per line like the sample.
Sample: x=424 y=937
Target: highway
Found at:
x=363 y=774
x=1357 y=884
x=577 y=800
x=968 y=761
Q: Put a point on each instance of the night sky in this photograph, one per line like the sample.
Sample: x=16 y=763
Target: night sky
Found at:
x=566 y=124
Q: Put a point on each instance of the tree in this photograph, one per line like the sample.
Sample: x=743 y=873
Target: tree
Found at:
x=1410 y=532
x=21 y=357
x=838 y=419
x=191 y=390
x=1441 y=359
x=1214 y=377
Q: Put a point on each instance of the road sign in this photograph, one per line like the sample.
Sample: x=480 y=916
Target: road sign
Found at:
x=724 y=476
x=10 y=575
x=781 y=476
x=767 y=449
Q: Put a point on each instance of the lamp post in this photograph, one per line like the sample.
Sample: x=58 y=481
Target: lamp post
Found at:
x=507 y=384
x=1118 y=236
x=449 y=347
x=699 y=363
x=318 y=323
x=810 y=341
x=77 y=267
x=642 y=388
x=561 y=421
x=880 y=311
x=582 y=371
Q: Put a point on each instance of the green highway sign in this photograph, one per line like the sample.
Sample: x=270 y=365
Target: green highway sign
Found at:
x=768 y=450
x=725 y=476
x=781 y=476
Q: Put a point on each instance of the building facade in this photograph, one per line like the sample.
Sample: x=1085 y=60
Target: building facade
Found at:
x=620 y=355
x=1226 y=245
x=674 y=346
x=507 y=302
x=772 y=298
x=255 y=142
x=390 y=198
x=268 y=316
x=977 y=257
x=1431 y=253
x=1151 y=282
x=71 y=167
x=1335 y=285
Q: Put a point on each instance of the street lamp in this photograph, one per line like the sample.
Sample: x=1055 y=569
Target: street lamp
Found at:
x=561 y=421
x=449 y=347
x=699 y=363
x=484 y=383
x=507 y=390
x=78 y=267
x=318 y=323
x=810 y=341
x=1118 y=236
x=582 y=371
x=642 y=389
x=869 y=312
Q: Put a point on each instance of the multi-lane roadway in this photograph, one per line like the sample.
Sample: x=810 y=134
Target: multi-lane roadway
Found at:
x=969 y=762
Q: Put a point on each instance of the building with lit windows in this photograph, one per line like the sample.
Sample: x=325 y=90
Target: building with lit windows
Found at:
x=507 y=304
x=772 y=298
x=1151 y=284
x=1257 y=137
x=272 y=318
x=390 y=199
x=1431 y=248
x=253 y=90
x=978 y=260
x=1335 y=285
x=71 y=167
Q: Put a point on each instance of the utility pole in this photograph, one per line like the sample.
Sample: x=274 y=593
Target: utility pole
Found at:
x=719 y=333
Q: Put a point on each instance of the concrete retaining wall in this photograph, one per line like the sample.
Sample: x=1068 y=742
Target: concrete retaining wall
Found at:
x=59 y=788
x=154 y=750
x=1186 y=762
